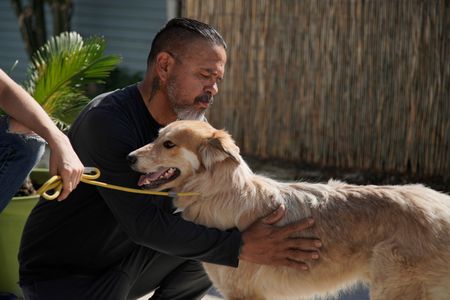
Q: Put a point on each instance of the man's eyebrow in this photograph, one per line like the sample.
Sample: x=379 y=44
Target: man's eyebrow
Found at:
x=212 y=71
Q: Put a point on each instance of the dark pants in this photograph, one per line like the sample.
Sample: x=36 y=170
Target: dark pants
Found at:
x=142 y=272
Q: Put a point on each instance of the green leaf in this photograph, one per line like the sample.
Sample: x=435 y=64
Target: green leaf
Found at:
x=61 y=68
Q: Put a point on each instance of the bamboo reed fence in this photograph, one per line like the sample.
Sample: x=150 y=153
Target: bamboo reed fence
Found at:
x=351 y=84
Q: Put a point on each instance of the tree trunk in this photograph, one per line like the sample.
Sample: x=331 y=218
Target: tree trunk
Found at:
x=62 y=14
x=32 y=25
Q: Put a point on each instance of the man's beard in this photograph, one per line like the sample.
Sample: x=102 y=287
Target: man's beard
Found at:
x=185 y=111
x=189 y=113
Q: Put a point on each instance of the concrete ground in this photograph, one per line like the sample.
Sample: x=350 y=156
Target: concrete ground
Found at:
x=210 y=296
x=357 y=294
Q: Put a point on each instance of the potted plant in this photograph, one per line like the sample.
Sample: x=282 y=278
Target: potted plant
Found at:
x=58 y=73
x=12 y=221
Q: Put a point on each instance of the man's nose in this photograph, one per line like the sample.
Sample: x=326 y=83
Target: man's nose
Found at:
x=131 y=159
x=212 y=89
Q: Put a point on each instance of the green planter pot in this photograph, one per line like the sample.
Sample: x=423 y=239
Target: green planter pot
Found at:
x=12 y=221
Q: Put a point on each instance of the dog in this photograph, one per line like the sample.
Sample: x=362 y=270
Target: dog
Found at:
x=394 y=239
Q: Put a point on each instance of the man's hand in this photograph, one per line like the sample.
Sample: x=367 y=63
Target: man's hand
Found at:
x=266 y=244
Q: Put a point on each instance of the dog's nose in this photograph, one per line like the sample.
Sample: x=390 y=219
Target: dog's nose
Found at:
x=131 y=159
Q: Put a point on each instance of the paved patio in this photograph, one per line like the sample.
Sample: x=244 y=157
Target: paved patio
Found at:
x=210 y=296
x=357 y=294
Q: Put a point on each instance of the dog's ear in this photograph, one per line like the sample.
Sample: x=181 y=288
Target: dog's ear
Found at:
x=219 y=147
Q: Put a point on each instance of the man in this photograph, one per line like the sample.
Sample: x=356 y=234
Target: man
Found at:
x=105 y=244
x=21 y=148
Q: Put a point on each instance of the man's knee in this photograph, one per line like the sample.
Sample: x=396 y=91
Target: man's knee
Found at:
x=189 y=281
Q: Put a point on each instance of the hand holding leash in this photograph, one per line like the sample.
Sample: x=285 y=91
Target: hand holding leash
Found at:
x=55 y=183
x=64 y=162
x=264 y=243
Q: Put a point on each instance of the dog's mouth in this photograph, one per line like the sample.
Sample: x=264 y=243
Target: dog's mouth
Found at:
x=162 y=176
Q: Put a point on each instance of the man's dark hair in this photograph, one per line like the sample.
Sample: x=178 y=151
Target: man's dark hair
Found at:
x=179 y=32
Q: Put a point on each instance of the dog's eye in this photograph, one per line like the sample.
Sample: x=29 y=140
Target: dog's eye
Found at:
x=168 y=144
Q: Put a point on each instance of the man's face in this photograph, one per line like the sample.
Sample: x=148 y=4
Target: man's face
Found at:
x=194 y=79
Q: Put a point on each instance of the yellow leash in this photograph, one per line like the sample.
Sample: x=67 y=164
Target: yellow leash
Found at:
x=55 y=184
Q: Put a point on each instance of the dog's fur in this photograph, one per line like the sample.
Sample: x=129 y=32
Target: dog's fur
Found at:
x=395 y=239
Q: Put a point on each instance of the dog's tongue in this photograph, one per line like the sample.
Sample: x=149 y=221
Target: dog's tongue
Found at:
x=147 y=178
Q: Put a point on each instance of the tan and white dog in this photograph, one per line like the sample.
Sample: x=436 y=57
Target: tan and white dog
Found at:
x=396 y=239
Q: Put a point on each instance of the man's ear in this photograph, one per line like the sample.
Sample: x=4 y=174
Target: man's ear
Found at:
x=163 y=65
x=218 y=148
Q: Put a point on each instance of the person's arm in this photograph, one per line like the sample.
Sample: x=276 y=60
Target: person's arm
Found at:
x=103 y=138
x=20 y=106
x=106 y=140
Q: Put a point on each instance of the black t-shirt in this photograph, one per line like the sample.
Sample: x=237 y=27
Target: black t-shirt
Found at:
x=95 y=228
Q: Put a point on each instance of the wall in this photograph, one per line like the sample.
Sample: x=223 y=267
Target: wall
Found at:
x=351 y=84
x=11 y=46
x=128 y=26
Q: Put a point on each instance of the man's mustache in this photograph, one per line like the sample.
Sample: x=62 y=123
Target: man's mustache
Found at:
x=207 y=98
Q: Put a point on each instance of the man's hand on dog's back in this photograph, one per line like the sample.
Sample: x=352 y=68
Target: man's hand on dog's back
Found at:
x=266 y=244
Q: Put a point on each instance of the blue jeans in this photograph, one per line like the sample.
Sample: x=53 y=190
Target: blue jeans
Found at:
x=19 y=153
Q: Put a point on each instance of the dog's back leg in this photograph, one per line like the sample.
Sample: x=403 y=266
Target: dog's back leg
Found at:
x=388 y=284
x=394 y=278
x=411 y=292
x=396 y=274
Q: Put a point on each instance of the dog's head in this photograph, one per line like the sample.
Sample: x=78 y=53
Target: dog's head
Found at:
x=181 y=150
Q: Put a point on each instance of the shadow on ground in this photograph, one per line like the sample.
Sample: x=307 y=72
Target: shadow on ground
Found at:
x=287 y=171
x=359 y=293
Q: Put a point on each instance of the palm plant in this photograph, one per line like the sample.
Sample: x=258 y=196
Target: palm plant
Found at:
x=58 y=73
x=60 y=70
